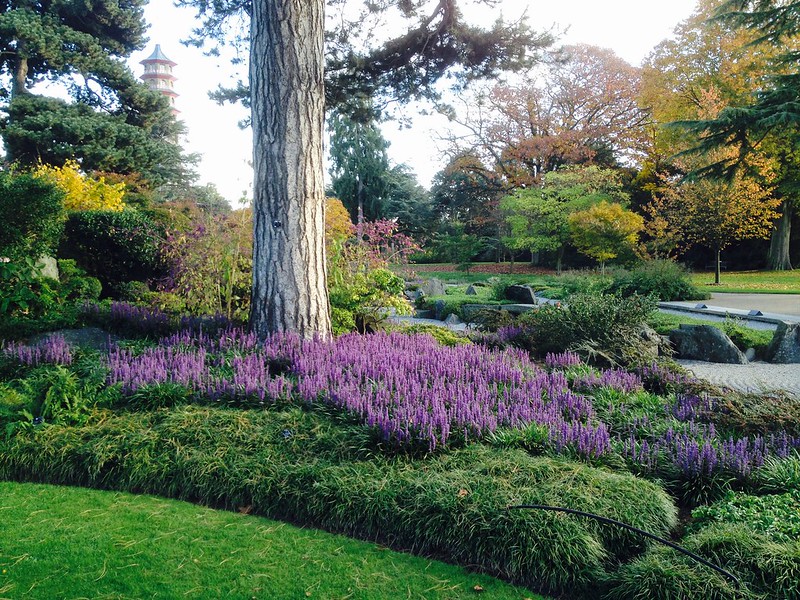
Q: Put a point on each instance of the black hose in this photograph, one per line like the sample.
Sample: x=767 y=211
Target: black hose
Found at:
x=688 y=553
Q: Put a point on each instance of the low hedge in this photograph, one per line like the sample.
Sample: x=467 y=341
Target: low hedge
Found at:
x=317 y=469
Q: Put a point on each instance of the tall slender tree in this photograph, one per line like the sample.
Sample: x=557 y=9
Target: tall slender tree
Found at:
x=288 y=99
x=360 y=172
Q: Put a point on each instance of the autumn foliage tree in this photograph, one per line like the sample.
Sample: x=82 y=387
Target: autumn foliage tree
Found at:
x=605 y=230
x=82 y=192
x=715 y=213
x=580 y=108
x=538 y=217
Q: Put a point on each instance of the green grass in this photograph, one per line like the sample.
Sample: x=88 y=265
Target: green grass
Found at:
x=61 y=542
x=751 y=282
x=744 y=337
x=744 y=282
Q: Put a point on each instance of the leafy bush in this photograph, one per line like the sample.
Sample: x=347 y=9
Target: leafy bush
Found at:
x=603 y=328
x=360 y=294
x=33 y=216
x=80 y=191
x=776 y=516
x=30 y=303
x=114 y=247
x=664 y=279
x=210 y=266
x=579 y=282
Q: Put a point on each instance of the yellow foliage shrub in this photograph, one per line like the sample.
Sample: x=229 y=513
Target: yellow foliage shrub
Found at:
x=338 y=226
x=80 y=191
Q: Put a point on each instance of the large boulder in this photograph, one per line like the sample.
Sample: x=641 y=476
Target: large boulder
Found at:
x=432 y=287
x=438 y=310
x=707 y=343
x=522 y=294
x=471 y=291
x=48 y=267
x=785 y=345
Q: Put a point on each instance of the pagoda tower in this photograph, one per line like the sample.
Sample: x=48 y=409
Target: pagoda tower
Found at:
x=158 y=76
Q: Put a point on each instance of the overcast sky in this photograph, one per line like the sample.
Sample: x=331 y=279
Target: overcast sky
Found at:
x=630 y=27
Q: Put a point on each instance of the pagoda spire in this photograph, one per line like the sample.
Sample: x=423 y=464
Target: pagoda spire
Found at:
x=158 y=75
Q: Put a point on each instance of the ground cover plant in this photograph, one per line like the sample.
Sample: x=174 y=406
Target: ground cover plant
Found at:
x=399 y=439
x=121 y=545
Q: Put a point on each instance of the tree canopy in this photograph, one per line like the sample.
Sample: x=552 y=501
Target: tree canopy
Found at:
x=111 y=122
x=429 y=40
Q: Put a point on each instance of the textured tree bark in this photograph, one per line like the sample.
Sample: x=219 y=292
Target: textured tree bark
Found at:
x=287 y=98
x=779 y=258
x=19 y=84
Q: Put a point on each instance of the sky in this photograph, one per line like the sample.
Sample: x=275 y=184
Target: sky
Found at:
x=629 y=27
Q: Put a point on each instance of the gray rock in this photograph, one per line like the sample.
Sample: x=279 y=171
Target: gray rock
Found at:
x=432 y=287
x=471 y=291
x=453 y=320
x=438 y=310
x=424 y=314
x=48 y=267
x=653 y=344
x=750 y=354
x=88 y=337
x=707 y=343
x=521 y=294
x=784 y=348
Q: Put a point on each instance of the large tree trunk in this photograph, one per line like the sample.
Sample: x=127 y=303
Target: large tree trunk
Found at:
x=19 y=85
x=287 y=98
x=779 y=258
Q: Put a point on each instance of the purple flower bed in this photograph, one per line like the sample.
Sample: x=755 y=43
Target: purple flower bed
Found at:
x=229 y=365
x=695 y=448
x=54 y=350
x=413 y=389
x=616 y=379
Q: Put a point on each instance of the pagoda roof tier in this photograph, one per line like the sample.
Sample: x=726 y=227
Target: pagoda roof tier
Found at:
x=158 y=57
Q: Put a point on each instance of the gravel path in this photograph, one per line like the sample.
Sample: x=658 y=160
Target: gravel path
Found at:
x=752 y=377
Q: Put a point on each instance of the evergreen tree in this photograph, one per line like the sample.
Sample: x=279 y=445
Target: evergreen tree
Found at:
x=112 y=122
x=359 y=167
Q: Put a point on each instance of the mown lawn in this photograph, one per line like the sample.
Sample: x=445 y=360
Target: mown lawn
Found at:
x=755 y=282
x=751 y=282
x=63 y=542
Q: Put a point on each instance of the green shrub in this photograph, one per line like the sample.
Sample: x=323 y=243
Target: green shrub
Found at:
x=776 y=516
x=603 y=328
x=307 y=467
x=114 y=247
x=663 y=279
x=443 y=335
x=664 y=575
x=579 y=282
x=30 y=304
x=33 y=216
